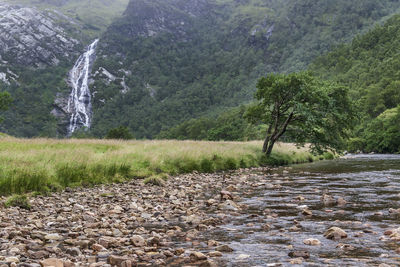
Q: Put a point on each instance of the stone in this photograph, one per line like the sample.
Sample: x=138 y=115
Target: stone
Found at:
x=179 y=251
x=345 y=247
x=138 y=241
x=83 y=244
x=116 y=260
x=226 y=195
x=211 y=202
x=312 y=242
x=39 y=254
x=266 y=227
x=197 y=256
x=229 y=205
x=153 y=241
x=128 y=263
x=242 y=257
x=207 y=263
x=335 y=233
x=53 y=237
x=52 y=262
x=212 y=243
x=296 y=261
x=328 y=200
x=117 y=233
x=341 y=201
x=12 y=259
x=306 y=212
x=214 y=254
x=73 y=252
x=98 y=247
x=224 y=248
x=299 y=254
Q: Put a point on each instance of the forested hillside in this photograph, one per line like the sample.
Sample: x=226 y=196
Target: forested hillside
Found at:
x=370 y=65
x=164 y=62
x=180 y=63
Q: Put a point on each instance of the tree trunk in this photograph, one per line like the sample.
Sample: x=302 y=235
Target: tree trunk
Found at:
x=270 y=147
x=267 y=139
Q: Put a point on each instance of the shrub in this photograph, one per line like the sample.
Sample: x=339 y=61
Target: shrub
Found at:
x=21 y=201
x=121 y=132
x=206 y=165
x=356 y=144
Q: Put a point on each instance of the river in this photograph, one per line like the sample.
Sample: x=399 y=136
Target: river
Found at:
x=273 y=225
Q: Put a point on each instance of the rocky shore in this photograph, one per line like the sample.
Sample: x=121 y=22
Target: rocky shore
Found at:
x=128 y=224
x=257 y=217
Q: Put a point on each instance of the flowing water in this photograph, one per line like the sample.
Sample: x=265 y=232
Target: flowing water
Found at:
x=370 y=184
x=79 y=102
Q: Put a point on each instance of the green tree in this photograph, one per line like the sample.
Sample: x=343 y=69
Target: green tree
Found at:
x=382 y=134
x=121 y=132
x=5 y=101
x=304 y=108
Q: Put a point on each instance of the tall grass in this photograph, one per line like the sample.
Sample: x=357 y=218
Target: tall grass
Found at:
x=43 y=165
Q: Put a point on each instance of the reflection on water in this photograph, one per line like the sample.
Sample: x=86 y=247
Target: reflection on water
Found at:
x=370 y=185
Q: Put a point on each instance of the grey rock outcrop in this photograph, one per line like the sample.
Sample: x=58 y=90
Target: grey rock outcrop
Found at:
x=30 y=37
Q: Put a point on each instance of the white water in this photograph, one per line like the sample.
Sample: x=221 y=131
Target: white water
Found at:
x=79 y=102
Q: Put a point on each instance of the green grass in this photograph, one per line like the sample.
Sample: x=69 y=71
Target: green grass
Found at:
x=45 y=165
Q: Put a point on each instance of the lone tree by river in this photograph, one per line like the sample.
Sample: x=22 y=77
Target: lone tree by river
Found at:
x=304 y=109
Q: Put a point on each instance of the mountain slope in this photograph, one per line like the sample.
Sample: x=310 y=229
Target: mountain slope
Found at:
x=164 y=61
x=36 y=49
x=370 y=66
x=94 y=15
x=170 y=62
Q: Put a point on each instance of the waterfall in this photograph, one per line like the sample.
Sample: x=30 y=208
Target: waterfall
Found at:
x=79 y=102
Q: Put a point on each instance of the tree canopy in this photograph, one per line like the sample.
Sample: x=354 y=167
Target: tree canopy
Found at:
x=5 y=101
x=120 y=132
x=304 y=108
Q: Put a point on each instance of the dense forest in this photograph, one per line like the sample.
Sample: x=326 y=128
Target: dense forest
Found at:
x=187 y=69
x=210 y=62
x=371 y=67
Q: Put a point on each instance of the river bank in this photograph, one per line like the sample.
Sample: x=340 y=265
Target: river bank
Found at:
x=329 y=213
x=128 y=224
x=46 y=165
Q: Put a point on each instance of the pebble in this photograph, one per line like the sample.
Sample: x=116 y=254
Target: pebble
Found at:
x=299 y=254
x=312 y=242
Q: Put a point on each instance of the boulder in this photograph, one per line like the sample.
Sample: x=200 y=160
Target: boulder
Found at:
x=335 y=233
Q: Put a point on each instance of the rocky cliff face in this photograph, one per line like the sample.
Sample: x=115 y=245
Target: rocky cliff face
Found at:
x=30 y=37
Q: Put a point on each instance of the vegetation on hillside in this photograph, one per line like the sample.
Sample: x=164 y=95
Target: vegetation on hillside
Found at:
x=5 y=101
x=185 y=77
x=33 y=99
x=370 y=66
x=213 y=61
x=230 y=125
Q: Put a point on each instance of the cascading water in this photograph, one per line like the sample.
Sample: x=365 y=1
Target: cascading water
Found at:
x=79 y=102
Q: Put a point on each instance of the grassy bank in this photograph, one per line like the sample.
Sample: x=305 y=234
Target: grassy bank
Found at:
x=40 y=165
